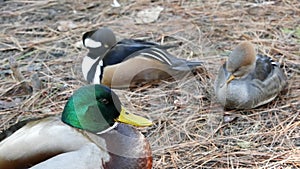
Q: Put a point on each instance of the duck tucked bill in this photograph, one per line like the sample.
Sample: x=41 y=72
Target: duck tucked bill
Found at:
x=128 y=62
x=248 y=80
x=88 y=136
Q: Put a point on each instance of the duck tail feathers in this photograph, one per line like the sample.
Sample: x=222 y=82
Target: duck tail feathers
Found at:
x=11 y=130
x=188 y=66
x=193 y=64
x=6 y=133
x=165 y=47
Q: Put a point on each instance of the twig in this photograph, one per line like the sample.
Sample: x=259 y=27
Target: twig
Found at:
x=18 y=75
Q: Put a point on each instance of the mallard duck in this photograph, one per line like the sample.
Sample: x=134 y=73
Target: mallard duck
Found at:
x=248 y=80
x=89 y=135
x=128 y=62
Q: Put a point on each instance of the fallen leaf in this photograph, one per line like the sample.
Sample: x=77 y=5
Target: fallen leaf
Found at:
x=244 y=144
x=148 y=15
x=64 y=26
x=115 y=4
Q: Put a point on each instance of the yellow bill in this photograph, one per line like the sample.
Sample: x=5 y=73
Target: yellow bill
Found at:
x=132 y=119
x=231 y=77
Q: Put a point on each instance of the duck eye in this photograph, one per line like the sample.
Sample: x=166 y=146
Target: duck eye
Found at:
x=105 y=101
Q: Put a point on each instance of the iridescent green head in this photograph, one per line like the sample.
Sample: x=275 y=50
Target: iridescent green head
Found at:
x=95 y=108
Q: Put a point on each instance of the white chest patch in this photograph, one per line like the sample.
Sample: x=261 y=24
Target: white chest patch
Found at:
x=87 y=64
x=98 y=73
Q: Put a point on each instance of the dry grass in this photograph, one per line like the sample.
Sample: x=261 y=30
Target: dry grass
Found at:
x=189 y=131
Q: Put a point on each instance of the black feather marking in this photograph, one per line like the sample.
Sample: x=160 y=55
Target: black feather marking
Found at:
x=92 y=72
